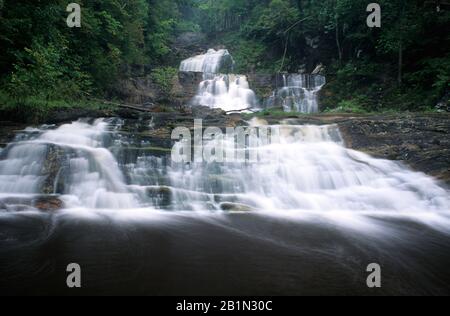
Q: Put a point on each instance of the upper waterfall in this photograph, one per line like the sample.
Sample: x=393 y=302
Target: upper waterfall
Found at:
x=212 y=62
x=220 y=88
x=299 y=93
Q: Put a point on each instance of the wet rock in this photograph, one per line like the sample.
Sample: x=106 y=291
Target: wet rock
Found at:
x=161 y=194
x=48 y=203
x=189 y=44
x=131 y=114
x=421 y=140
x=235 y=207
x=73 y=114
x=8 y=131
x=137 y=90
x=55 y=160
x=187 y=86
x=319 y=70
x=263 y=84
x=190 y=39
x=444 y=104
x=42 y=203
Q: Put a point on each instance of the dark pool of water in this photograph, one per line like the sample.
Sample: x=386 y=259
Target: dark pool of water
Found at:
x=236 y=254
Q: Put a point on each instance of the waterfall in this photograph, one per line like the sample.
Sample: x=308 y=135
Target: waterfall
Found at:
x=228 y=92
x=307 y=169
x=306 y=203
x=304 y=169
x=219 y=88
x=212 y=62
x=88 y=172
x=299 y=93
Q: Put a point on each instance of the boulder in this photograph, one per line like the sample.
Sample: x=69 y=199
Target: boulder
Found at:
x=444 y=104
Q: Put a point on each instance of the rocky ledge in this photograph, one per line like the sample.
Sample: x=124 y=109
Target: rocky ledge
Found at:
x=419 y=140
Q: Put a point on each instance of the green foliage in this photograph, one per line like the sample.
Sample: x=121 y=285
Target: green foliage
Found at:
x=278 y=113
x=164 y=77
x=349 y=106
x=404 y=65
x=35 y=109
x=42 y=57
x=249 y=55
x=187 y=26
x=44 y=72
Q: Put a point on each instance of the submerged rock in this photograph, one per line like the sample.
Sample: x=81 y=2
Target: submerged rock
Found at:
x=235 y=207
x=48 y=203
x=43 y=203
x=160 y=195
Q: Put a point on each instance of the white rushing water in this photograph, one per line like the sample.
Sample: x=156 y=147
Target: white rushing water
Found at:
x=299 y=93
x=212 y=62
x=220 y=88
x=306 y=170
x=89 y=172
x=228 y=92
x=309 y=170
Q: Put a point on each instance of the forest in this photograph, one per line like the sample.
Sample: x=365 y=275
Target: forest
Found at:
x=402 y=66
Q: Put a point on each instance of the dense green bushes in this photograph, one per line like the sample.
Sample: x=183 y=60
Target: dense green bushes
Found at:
x=164 y=78
x=42 y=58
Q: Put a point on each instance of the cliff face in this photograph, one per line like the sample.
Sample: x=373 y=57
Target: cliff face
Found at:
x=187 y=86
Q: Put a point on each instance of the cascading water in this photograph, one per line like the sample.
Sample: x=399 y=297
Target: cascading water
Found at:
x=303 y=169
x=299 y=93
x=228 y=92
x=87 y=173
x=212 y=62
x=307 y=169
x=220 y=89
x=305 y=217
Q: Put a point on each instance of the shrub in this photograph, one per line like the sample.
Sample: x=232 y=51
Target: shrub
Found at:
x=164 y=77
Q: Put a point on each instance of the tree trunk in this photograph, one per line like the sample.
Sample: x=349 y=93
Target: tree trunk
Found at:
x=400 y=64
x=338 y=41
